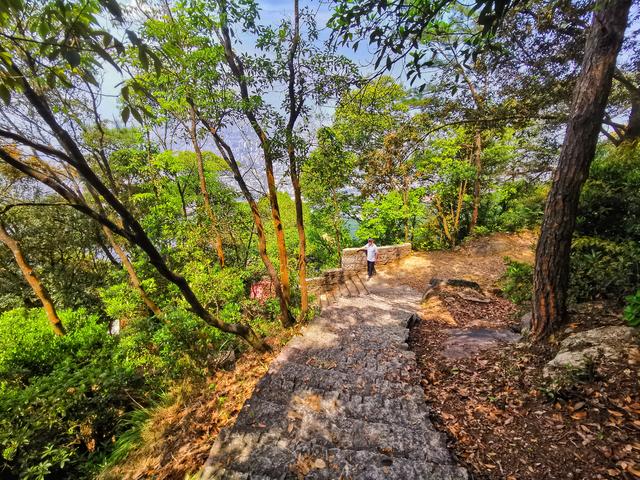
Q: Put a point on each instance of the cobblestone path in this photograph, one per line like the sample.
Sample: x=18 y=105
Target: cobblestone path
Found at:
x=341 y=401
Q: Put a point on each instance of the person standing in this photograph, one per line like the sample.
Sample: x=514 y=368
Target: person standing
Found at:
x=372 y=255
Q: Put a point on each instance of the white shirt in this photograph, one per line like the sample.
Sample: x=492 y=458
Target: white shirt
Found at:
x=372 y=252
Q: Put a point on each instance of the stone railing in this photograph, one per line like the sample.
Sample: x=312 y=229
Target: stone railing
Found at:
x=326 y=282
x=353 y=262
x=352 y=259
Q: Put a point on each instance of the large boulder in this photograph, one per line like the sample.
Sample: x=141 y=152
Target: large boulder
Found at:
x=582 y=351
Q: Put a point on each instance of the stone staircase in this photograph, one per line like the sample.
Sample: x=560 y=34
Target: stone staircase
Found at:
x=341 y=401
x=352 y=286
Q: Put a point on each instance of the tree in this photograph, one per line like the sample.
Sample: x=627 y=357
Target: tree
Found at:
x=23 y=79
x=32 y=278
x=551 y=275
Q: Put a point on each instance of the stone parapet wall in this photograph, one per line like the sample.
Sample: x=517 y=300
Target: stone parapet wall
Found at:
x=353 y=262
x=352 y=259
x=326 y=282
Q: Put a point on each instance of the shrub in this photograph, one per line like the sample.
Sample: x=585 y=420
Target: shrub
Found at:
x=513 y=206
x=517 y=281
x=610 y=200
x=603 y=268
x=60 y=396
x=632 y=310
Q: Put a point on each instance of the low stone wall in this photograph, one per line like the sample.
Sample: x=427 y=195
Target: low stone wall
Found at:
x=352 y=259
x=326 y=282
x=353 y=262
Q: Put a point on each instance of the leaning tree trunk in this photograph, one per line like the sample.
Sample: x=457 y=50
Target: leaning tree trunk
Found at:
x=551 y=275
x=203 y=188
x=133 y=276
x=131 y=230
x=33 y=281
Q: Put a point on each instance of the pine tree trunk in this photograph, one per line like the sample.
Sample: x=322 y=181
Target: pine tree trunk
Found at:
x=33 y=281
x=551 y=275
x=203 y=189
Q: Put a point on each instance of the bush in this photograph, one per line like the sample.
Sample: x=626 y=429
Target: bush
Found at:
x=60 y=397
x=610 y=200
x=603 y=268
x=517 y=281
x=513 y=206
x=632 y=310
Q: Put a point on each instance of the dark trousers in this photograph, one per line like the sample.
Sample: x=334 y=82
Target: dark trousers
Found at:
x=371 y=268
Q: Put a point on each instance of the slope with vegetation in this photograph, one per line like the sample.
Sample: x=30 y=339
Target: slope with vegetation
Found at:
x=130 y=248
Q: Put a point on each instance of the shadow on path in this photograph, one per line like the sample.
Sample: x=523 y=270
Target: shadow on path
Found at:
x=341 y=401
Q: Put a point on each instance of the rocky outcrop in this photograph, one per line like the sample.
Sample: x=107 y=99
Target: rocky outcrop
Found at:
x=582 y=351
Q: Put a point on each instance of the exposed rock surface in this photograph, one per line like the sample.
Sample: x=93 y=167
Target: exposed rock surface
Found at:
x=598 y=345
x=342 y=400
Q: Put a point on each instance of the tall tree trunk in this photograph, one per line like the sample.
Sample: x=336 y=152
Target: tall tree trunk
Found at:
x=203 y=187
x=133 y=276
x=295 y=107
x=477 y=161
x=237 y=69
x=302 y=247
x=551 y=275
x=405 y=206
x=286 y=318
x=336 y=227
x=33 y=280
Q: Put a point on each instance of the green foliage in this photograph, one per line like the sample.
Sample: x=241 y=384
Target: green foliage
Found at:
x=610 y=199
x=513 y=206
x=517 y=281
x=632 y=310
x=603 y=268
x=59 y=396
x=384 y=218
x=62 y=398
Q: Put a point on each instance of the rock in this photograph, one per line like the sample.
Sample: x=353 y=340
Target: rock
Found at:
x=223 y=359
x=525 y=323
x=583 y=350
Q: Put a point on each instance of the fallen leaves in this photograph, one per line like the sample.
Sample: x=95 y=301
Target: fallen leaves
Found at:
x=500 y=417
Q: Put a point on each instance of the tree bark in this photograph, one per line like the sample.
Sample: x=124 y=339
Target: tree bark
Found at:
x=295 y=107
x=477 y=161
x=133 y=276
x=203 y=188
x=237 y=69
x=551 y=274
x=33 y=281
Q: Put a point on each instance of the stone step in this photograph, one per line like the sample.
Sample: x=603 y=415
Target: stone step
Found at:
x=353 y=292
x=288 y=377
x=356 y=279
x=272 y=458
x=388 y=363
x=406 y=410
x=305 y=421
x=351 y=285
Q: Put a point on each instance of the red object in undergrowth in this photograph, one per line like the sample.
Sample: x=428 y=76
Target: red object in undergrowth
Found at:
x=262 y=290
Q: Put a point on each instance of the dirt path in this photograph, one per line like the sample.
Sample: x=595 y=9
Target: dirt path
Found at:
x=481 y=260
